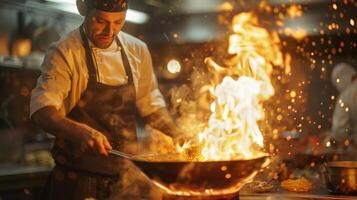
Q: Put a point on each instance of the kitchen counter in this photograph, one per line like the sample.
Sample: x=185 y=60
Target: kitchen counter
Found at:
x=293 y=196
x=313 y=174
x=318 y=190
x=17 y=177
x=22 y=182
x=270 y=196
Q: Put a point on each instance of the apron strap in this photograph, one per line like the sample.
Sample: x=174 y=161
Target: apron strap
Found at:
x=126 y=64
x=89 y=58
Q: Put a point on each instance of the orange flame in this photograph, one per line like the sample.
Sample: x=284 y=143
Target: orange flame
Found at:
x=294 y=11
x=232 y=131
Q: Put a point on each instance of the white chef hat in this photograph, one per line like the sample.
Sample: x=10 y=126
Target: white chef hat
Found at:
x=342 y=75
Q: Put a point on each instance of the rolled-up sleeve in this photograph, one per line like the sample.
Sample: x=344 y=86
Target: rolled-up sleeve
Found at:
x=149 y=98
x=54 y=82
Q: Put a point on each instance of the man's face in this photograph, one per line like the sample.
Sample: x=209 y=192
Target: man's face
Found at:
x=102 y=27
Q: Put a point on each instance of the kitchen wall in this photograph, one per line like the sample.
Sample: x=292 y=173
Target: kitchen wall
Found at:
x=35 y=17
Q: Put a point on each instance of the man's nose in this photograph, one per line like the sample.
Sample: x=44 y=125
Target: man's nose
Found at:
x=109 y=29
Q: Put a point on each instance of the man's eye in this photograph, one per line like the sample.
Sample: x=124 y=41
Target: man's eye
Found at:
x=117 y=22
x=100 y=21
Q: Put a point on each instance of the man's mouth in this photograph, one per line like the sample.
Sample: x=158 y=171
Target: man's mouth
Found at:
x=105 y=38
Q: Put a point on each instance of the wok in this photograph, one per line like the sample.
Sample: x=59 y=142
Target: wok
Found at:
x=189 y=178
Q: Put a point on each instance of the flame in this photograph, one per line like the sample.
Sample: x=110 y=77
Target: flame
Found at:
x=232 y=131
x=294 y=11
x=225 y=7
x=297 y=33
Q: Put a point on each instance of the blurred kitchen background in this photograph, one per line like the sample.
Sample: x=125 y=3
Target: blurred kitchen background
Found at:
x=181 y=34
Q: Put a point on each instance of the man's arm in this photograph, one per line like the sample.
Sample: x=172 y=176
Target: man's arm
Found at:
x=47 y=98
x=52 y=121
x=150 y=102
x=162 y=121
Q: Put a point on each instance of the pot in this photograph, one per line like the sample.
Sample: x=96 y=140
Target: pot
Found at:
x=198 y=178
x=341 y=177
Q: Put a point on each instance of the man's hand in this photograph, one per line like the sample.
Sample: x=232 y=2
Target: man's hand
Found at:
x=52 y=121
x=91 y=139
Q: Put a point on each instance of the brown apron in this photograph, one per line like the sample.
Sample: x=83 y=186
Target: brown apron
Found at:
x=109 y=109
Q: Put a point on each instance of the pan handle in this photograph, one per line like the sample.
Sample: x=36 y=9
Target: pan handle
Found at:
x=120 y=154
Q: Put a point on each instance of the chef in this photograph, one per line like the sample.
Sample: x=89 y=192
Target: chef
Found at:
x=344 y=119
x=93 y=83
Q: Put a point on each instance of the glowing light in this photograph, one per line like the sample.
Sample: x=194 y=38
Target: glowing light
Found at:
x=294 y=11
x=346 y=142
x=225 y=6
x=334 y=6
x=298 y=33
x=173 y=66
x=341 y=103
x=136 y=17
x=228 y=176
x=224 y=168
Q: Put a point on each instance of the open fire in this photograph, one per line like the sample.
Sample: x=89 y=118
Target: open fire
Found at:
x=225 y=111
x=239 y=90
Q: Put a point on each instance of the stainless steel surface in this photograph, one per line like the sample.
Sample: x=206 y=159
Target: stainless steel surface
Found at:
x=341 y=177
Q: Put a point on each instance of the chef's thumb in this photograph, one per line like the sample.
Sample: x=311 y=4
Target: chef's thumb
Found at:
x=107 y=145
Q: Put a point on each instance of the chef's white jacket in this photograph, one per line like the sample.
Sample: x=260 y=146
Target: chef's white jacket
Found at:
x=64 y=75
